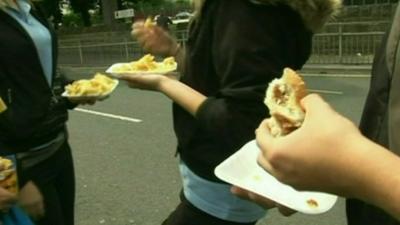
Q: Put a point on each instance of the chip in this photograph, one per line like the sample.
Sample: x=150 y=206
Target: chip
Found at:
x=98 y=85
x=147 y=64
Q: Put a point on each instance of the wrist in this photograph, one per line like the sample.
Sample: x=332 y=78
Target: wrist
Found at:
x=379 y=175
x=175 y=49
x=385 y=184
x=164 y=84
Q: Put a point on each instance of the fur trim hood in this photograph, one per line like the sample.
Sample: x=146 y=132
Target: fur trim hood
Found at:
x=7 y=3
x=315 y=13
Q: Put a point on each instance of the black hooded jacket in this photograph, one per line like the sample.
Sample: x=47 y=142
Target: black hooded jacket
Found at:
x=35 y=112
x=235 y=48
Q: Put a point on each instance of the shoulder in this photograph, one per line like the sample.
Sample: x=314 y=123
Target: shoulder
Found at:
x=314 y=13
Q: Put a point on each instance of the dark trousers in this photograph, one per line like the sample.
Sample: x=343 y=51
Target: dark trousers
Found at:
x=361 y=213
x=187 y=214
x=56 y=180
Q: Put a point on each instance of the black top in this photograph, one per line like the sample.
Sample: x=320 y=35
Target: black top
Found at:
x=234 y=50
x=36 y=113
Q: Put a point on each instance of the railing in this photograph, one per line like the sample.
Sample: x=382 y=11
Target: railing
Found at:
x=345 y=48
x=369 y=2
x=334 y=46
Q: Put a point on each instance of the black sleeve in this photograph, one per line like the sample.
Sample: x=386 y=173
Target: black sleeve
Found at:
x=61 y=81
x=250 y=49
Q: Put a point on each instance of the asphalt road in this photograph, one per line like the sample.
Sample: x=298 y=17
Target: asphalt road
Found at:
x=126 y=171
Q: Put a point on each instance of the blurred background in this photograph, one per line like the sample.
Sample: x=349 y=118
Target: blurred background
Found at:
x=97 y=32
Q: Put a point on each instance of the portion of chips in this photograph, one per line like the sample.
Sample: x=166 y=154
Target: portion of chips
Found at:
x=147 y=64
x=149 y=22
x=99 y=85
x=8 y=175
x=3 y=106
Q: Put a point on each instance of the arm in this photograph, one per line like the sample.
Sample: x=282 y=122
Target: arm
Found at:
x=155 y=40
x=245 y=58
x=180 y=93
x=183 y=95
x=7 y=200
x=31 y=200
x=60 y=81
x=380 y=178
x=336 y=158
x=243 y=79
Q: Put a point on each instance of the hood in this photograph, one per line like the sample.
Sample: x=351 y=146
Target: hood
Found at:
x=7 y=3
x=315 y=13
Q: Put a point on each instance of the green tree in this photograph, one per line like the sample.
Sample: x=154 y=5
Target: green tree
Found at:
x=52 y=10
x=82 y=7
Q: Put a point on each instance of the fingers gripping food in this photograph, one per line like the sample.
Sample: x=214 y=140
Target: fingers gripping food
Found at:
x=8 y=175
x=100 y=84
x=283 y=101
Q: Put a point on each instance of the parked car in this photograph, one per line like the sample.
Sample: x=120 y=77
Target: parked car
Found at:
x=183 y=15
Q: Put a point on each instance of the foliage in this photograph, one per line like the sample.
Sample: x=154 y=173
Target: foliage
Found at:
x=72 y=20
x=81 y=9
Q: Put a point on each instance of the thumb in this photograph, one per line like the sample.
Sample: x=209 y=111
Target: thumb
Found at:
x=313 y=104
x=264 y=138
x=265 y=142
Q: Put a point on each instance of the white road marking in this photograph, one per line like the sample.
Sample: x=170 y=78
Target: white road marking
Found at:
x=326 y=92
x=124 y=118
x=337 y=75
x=333 y=76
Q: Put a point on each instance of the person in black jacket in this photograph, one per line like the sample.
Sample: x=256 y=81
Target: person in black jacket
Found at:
x=235 y=48
x=33 y=114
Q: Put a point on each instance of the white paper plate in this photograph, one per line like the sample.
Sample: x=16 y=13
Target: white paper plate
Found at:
x=111 y=71
x=242 y=170
x=92 y=97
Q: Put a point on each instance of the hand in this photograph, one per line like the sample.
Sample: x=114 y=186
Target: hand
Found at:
x=154 y=39
x=31 y=200
x=262 y=201
x=146 y=81
x=317 y=155
x=7 y=200
x=84 y=101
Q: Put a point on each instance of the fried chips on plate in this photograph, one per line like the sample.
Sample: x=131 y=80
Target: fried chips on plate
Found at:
x=99 y=87
x=145 y=65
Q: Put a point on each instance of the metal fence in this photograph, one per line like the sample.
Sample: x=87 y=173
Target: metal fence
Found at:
x=345 y=48
x=337 y=46
x=369 y=2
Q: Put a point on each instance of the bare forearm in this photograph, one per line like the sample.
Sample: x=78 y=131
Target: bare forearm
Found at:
x=183 y=95
x=381 y=178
